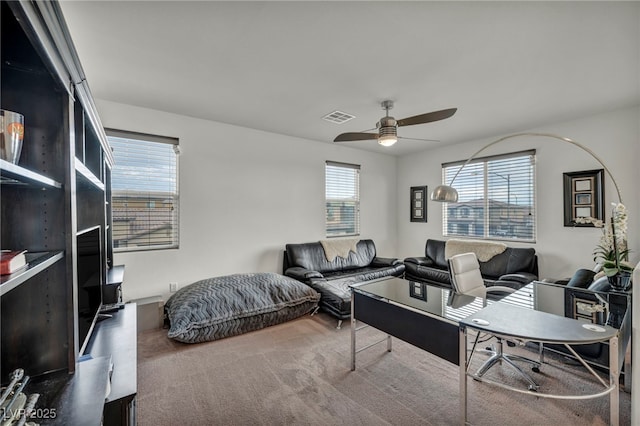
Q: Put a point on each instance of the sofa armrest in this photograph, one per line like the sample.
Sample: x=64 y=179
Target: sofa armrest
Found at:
x=385 y=261
x=520 y=277
x=302 y=274
x=420 y=261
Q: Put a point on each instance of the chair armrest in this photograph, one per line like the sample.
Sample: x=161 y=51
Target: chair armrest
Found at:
x=420 y=261
x=302 y=274
x=385 y=261
x=520 y=277
x=500 y=289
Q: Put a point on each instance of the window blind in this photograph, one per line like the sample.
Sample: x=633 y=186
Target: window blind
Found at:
x=496 y=198
x=523 y=298
x=144 y=199
x=342 y=199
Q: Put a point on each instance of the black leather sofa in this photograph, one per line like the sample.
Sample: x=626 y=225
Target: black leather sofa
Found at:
x=307 y=263
x=515 y=267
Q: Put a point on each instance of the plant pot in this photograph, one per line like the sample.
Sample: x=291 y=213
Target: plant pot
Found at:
x=620 y=281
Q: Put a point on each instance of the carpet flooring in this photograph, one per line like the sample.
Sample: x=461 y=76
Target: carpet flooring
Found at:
x=297 y=373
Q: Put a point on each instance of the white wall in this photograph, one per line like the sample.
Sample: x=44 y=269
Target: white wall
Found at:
x=244 y=194
x=614 y=137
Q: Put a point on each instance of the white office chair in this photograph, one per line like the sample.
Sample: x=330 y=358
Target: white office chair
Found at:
x=466 y=279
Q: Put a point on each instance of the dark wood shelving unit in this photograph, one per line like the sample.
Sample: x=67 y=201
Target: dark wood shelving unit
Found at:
x=59 y=187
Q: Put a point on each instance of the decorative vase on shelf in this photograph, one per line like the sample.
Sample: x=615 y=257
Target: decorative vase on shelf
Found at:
x=11 y=135
x=620 y=281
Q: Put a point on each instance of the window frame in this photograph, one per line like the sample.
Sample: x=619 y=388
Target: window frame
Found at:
x=484 y=215
x=145 y=137
x=356 y=201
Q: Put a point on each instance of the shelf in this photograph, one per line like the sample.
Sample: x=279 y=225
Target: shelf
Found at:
x=115 y=275
x=38 y=262
x=14 y=174
x=73 y=399
x=89 y=177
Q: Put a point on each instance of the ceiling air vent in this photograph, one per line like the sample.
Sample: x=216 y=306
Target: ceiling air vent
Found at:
x=338 y=117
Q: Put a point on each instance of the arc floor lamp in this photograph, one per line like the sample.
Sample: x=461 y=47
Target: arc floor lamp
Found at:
x=448 y=194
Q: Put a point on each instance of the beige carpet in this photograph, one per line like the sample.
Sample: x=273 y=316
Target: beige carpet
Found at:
x=297 y=373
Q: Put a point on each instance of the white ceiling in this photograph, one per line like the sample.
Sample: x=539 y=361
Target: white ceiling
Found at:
x=281 y=66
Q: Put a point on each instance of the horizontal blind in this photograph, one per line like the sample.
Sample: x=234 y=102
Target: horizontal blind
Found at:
x=144 y=200
x=461 y=311
x=342 y=199
x=496 y=198
x=523 y=298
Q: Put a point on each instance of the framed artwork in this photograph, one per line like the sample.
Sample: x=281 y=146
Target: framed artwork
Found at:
x=583 y=196
x=584 y=307
x=418 y=207
x=418 y=291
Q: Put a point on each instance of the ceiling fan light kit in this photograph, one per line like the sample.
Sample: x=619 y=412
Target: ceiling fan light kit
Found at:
x=388 y=126
x=387 y=140
x=388 y=131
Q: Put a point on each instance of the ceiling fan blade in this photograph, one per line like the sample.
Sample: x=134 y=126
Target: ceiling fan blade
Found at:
x=355 y=136
x=420 y=139
x=428 y=117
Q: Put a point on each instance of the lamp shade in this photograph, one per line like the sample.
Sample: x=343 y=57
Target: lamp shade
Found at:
x=444 y=194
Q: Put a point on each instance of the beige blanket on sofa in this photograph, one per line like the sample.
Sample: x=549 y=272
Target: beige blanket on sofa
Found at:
x=484 y=250
x=341 y=247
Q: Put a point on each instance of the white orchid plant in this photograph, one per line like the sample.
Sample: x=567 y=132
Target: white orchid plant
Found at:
x=612 y=252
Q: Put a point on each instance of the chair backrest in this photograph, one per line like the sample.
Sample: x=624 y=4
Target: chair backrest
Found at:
x=465 y=275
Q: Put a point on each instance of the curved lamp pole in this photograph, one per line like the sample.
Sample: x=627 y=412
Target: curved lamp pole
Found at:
x=448 y=194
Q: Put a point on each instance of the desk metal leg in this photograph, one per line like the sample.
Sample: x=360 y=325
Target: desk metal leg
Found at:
x=353 y=334
x=462 y=334
x=614 y=378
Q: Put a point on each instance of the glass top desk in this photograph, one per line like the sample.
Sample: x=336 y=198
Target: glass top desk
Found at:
x=433 y=317
x=509 y=321
x=428 y=316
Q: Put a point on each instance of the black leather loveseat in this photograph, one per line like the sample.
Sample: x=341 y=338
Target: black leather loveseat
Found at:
x=308 y=263
x=514 y=267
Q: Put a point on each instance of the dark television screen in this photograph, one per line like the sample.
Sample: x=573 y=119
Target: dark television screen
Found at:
x=89 y=282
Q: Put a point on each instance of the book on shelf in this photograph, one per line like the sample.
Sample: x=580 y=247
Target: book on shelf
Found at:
x=12 y=261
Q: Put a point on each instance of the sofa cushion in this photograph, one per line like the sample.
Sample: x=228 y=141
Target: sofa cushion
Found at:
x=508 y=262
x=521 y=260
x=311 y=256
x=427 y=273
x=496 y=266
x=583 y=278
x=435 y=251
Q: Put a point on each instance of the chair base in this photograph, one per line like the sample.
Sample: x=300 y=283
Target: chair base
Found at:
x=498 y=356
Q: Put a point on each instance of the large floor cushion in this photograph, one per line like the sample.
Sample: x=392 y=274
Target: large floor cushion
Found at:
x=226 y=306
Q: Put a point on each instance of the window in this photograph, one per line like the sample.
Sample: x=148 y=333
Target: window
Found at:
x=144 y=198
x=342 y=199
x=496 y=198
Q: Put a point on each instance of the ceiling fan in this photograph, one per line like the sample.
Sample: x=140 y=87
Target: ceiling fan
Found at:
x=388 y=126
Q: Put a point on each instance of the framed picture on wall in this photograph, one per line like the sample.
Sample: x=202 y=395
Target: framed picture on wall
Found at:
x=583 y=196
x=418 y=205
